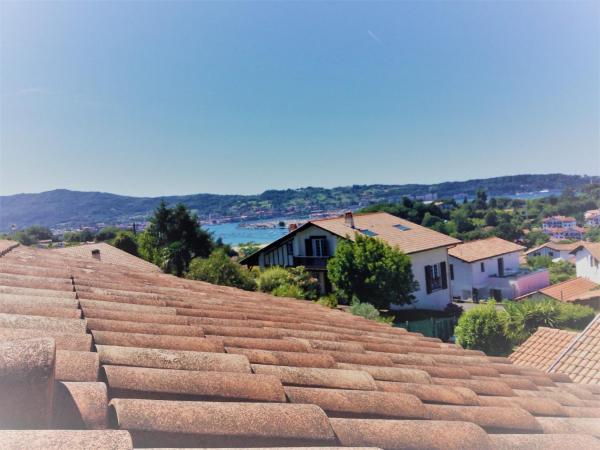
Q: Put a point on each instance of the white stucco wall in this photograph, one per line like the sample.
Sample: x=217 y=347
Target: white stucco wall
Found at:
x=545 y=251
x=584 y=268
x=438 y=299
x=299 y=249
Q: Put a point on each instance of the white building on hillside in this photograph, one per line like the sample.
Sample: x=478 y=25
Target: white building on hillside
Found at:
x=554 y=250
x=312 y=244
x=587 y=261
x=489 y=268
x=592 y=218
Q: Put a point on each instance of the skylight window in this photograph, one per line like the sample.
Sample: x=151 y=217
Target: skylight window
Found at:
x=368 y=233
x=401 y=227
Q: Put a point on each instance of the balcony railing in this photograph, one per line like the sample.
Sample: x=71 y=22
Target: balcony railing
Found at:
x=311 y=261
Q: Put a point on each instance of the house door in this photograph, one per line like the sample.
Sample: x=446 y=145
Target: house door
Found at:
x=500 y=267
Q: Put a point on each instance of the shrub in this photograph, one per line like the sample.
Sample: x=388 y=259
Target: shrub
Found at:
x=575 y=316
x=107 y=233
x=329 y=301
x=272 y=278
x=561 y=271
x=218 y=268
x=484 y=328
x=365 y=310
x=372 y=271
x=127 y=243
x=288 y=290
x=305 y=281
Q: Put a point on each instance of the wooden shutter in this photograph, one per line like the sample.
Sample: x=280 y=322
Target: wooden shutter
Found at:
x=325 y=247
x=308 y=247
x=428 y=279
x=444 y=275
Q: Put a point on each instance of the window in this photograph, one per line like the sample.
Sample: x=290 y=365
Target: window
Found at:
x=482 y=266
x=452 y=272
x=290 y=248
x=401 y=227
x=550 y=253
x=436 y=277
x=368 y=233
x=319 y=247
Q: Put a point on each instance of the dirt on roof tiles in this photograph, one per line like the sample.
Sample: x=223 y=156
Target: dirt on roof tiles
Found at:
x=159 y=361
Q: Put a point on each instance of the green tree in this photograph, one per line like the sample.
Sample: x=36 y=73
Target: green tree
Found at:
x=174 y=238
x=107 y=233
x=484 y=328
x=491 y=218
x=39 y=232
x=593 y=234
x=372 y=271
x=126 y=242
x=561 y=271
x=247 y=248
x=220 y=269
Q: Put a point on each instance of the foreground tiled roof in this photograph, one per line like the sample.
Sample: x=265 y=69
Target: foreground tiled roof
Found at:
x=592 y=247
x=407 y=236
x=581 y=358
x=570 y=290
x=95 y=356
x=542 y=348
x=107 y=254
x=483 y=248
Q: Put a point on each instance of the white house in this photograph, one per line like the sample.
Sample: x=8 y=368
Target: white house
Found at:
x=489 y=268
x=558 y=222
x=562 y=227
x=312 y=244
x=555 y=250
x=592 y=218
x=587 y=261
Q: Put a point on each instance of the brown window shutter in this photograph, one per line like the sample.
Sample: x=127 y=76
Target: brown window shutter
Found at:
x=428 y=279
x=444 y=275
x=308 y=247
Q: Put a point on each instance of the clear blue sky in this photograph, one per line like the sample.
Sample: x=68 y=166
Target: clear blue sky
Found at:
x=162 y=98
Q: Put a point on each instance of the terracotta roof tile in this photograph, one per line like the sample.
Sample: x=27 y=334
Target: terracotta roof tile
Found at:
x=483 y=248
x=65 y=439
x=571 y=290
x=544 y=441
x=257 y=370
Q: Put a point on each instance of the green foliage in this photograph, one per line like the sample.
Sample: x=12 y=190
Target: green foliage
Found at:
x=174 y=238
x=294 y=282
x=247 y=248
x=329 y=301
x=593 y=234
x=484 y=328
x=220 y=269
x=288 y=290
x=539 y=262
x=78 y=236
x=535 y=238
x=126 y=241
x=365 y=310
x=575 y=317
x=107 y=233
x=491 y=218
x=372 y=271
x=561 y=271
x=273 y=278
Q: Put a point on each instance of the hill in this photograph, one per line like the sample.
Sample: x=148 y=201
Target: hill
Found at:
x=73 y=208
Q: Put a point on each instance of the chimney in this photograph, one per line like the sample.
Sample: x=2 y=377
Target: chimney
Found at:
x=96 y=253
x=349 y=219
x=292 y=227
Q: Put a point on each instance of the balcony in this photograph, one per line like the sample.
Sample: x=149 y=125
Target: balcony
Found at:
x=314 y=262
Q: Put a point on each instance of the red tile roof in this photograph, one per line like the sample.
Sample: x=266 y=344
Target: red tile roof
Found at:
x=592 y=247
x=177 y=363
x=483 y=248
x=556 y=246
x=570 y=290
x=542 y=348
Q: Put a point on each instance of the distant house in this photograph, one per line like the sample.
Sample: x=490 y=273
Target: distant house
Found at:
x=489 y=268
x=554 y=250
x=562 y=227
x=312 y=244
x=592 y=218
x=587 y=260
x=579 y=290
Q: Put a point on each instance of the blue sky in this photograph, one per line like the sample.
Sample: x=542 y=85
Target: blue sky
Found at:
x=163 y=98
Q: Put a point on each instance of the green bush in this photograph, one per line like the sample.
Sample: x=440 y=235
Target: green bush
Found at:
x=576 y=317
x=365 y=310
x=272 y=278
x=288 y=290
x=372 y=271
x=484 y=328
x=219 y=268
x=305 y=281
x=329 y=301
x=126 y=242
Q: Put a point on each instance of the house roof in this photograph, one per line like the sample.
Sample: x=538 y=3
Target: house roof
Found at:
x=557 y=246
x=108 y=254
x=570 y=290
x=559 y=218
x=96 y=355
x=407 y=236
x=403 y=234
x=592 y=247
x=581 y=359
x=542 y=348
x=483 y=248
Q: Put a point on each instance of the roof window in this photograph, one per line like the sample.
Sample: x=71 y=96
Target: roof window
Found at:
x=368 y=233
x=401 y=227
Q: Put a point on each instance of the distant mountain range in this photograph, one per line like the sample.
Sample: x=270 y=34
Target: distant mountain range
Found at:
x=65 y=208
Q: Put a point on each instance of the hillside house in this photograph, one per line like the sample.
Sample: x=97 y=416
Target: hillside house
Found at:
x=554 y=250
x=592 y=218
x=562 y=227
x=489 y=268
x=312 y=244
x=587 y=261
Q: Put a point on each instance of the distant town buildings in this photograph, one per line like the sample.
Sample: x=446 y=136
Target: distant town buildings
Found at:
x=562 y=227
x=592 y=218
